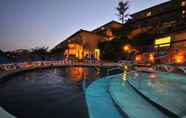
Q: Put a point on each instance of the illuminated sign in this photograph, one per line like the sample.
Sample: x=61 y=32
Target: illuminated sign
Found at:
x=165 y=41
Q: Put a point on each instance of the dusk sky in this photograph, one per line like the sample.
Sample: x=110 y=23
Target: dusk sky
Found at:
x=25 y=24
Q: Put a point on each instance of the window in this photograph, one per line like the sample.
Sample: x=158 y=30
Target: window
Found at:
x=149 y=14
x=183 y=11
x=163 y=42
x=102 y=28
x=183 y=3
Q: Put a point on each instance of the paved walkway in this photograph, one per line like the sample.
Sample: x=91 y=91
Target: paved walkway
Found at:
x=100 y=104
x=167 y=90
x=131 y=102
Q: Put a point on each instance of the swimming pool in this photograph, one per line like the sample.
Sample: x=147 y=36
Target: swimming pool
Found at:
x=86 y=92
x=48 y=93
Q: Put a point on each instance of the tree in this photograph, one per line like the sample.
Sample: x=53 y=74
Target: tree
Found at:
x=40 y=51
x=1 y=52
x=122 y=9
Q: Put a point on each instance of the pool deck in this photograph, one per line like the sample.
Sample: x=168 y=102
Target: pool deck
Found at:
x=167 y=90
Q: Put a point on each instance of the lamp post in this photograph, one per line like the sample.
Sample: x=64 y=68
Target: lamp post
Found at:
x=130 y=50
x=127 y=48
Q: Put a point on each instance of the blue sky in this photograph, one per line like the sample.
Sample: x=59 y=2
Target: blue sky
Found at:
x=25 y=24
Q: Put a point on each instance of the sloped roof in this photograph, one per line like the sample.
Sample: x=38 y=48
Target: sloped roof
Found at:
x=65 y=42
x=165 y=6
x=107 y=25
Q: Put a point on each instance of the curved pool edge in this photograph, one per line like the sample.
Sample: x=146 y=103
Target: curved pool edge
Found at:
x=19 y=70
x=5 y=114
x=99 y=102
x=3 y=77
x=161 y=107
x=6 y=74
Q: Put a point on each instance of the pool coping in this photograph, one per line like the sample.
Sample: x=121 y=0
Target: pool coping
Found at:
x=19 y=70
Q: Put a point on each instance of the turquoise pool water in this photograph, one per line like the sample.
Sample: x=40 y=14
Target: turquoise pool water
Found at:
x=107 y=94
x=99 y=100
x=131 y=102
x=167 y=90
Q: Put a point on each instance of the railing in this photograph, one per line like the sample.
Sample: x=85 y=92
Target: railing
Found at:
x=171 y=68
x=13 y=66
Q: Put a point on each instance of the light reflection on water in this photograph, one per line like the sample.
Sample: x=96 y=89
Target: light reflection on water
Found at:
x=157 y=83
x=166 y=89
x=77 y=73
x=48 y=93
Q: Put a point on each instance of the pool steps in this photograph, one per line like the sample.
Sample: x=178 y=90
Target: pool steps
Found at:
x=166 y=100
x=116 y=90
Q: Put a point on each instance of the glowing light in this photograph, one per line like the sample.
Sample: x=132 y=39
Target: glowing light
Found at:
x=179 y=59
x=152 y=76
x=164 y=45
x=151 y=57
x=97 y=54
x=163 y=41
x=126 y=67
x=109 y=34
x=138 y=58
x=183 y=3
x=77 y=73
x=81 y=53
x=126 y=48
x=28 y=65
x=183 y=12
x=125 y=76
x=149 y=14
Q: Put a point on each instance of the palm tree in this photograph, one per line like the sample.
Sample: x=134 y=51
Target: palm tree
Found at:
x=122 y=9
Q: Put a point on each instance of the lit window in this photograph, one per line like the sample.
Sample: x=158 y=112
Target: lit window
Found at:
x=183 y=3
x=163 y=42
x=102 y=28
x=183 y=12
x=149 y=14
